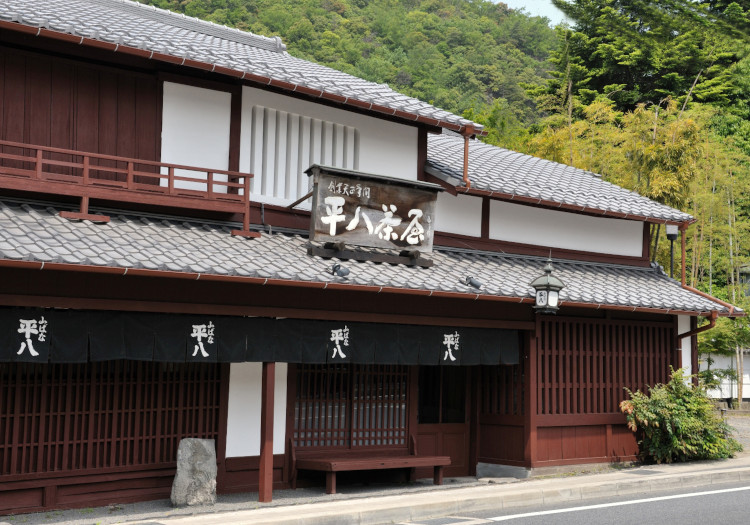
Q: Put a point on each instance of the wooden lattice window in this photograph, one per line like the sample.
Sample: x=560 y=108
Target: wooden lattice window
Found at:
x=64 y=417
x=351 y=406
x=583 y=366
x=502 y=390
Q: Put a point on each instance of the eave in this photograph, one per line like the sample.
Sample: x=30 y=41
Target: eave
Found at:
x=193 y=276
x=360 y=105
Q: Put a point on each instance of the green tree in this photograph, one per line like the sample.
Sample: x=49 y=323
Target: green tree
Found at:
x=642 y=52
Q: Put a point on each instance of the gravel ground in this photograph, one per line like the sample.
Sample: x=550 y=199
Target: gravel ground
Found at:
x=741 y=425
x=114 y=514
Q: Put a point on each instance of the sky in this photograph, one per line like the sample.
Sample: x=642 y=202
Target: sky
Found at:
x=538 y=8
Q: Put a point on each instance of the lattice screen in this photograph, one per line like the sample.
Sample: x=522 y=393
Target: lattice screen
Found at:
x=66 y=417
x=583 y=366
x=351 y=406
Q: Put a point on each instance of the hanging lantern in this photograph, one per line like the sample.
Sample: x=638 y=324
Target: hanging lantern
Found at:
x=547 y=288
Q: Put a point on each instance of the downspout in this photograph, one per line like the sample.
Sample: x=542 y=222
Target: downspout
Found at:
x=711 y=323
x=467 y=133
x=694 y=364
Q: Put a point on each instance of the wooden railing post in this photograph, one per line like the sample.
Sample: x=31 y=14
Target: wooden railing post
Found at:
x=93 y=181
x=245 y=231
x=246 y=200
x=171 y=180
x=39 y=162
x=85 y=170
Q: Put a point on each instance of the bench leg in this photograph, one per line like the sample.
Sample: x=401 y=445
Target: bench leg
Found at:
x=412 y=475
x=437 y=478
x=330 y=483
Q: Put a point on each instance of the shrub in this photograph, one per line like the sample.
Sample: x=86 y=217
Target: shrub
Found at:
x=678 y=422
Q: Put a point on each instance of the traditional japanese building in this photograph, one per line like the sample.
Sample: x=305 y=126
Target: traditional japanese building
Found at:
x=203 y=236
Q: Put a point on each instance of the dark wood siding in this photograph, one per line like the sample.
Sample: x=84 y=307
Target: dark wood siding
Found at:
x=62 y=427
x=501 y=411
x=74 y=105
x=583 y=368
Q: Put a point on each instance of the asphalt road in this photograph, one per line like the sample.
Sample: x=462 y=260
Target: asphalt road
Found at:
x=719 y=504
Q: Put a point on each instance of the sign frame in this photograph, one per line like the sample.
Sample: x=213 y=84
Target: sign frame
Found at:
x=372 y=211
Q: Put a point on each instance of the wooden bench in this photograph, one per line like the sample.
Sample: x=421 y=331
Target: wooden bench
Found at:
x=335 y=461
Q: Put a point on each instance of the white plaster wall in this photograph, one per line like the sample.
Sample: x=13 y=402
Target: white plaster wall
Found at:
x=195 y=132
x=558 y=229
x=460 y=214
x=363 y=143
x=728 y=388
x=685 y=346
x=243 y=424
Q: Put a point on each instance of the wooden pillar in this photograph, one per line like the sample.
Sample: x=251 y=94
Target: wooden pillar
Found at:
x=235 y=124
x=694 y=351
x=265 y=478
x=530 y=403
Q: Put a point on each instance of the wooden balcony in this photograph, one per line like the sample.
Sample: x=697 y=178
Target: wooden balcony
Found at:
x=107 y=178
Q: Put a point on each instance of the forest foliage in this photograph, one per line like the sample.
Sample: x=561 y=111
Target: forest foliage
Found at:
x=653 y=95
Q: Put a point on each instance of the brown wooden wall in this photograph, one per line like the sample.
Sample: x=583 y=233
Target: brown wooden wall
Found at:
x=73 y=435
x=501 y=422
x=582 y=369
x=583 y=365
x=68 y=104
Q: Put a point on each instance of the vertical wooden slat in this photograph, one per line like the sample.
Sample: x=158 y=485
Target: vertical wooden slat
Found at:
x=7 y=373
x=75 y=412
x=587 y=375
x=137 y=414
x=554 y=356
x=601 y=352
x=575 y=367
x=158 y=417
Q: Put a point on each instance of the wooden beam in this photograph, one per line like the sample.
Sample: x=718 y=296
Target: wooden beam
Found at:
x=265 y=478
x=530 y=342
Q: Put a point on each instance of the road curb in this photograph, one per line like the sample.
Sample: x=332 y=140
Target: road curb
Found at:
x=419 y=506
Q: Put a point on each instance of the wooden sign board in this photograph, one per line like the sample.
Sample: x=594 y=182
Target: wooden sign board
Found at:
x=369 y=210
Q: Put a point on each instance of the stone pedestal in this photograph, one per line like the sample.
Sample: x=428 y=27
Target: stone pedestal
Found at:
x=195 y=481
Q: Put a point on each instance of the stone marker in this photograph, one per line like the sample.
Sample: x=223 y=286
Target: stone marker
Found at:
x=195 y=481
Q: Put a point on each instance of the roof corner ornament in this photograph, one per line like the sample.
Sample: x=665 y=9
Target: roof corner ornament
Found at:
x=547 y=288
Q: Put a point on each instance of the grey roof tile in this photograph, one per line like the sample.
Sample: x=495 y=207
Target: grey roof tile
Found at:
x=208 y=248
x=496 y=169
x=144 y=27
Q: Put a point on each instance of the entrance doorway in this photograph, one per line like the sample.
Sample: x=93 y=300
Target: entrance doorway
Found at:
x=443 y=416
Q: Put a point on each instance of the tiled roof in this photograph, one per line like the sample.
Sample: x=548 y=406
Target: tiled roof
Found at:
x=507 y=172
x=126 y=23
x=35 y=232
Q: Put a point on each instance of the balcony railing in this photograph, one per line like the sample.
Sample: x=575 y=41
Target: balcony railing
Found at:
x=41 y=169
